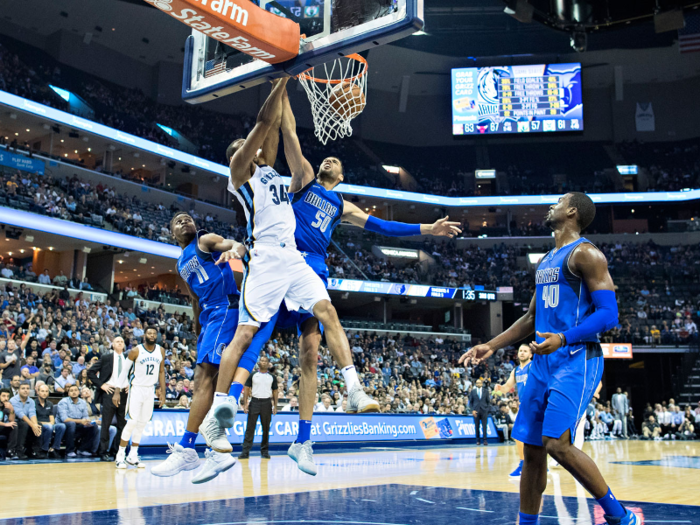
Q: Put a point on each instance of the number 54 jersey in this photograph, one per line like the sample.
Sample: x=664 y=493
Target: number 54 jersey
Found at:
x=267 y=208
x=562 y=298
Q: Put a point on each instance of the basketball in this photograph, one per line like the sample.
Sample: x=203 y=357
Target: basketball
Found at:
x=347 y=100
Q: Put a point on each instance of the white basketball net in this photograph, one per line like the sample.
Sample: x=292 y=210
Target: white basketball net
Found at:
x=338 y=93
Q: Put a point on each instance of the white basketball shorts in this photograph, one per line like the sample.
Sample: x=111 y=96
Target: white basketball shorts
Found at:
x=273 y=274
x=139 y=404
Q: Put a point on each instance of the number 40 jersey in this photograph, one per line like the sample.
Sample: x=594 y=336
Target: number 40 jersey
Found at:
x=318 y=211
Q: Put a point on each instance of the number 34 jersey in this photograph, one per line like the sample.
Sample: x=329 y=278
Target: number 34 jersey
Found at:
x=318 y=211
x=267 y=208
x=562 y=298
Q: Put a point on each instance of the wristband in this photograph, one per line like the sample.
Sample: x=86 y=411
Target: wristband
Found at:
x=561 y=338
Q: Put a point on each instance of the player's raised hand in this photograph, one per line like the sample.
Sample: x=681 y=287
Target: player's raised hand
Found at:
x=551 y=343
x=476 y=354
x=445 y=228
x=237 y=252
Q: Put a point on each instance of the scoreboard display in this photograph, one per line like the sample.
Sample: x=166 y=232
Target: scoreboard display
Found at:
x=517 y=99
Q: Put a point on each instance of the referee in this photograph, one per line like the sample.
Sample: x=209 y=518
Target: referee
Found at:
x=261 y=389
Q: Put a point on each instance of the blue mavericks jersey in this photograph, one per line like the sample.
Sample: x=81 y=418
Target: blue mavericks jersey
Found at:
x=562 y=299
x=521 y=377
x=212 y=284
x=317 y=212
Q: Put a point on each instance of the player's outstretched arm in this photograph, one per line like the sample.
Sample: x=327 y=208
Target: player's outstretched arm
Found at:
x=302 y=172
x=508 y=386
x=268 y=155
x=441 y=227
x=241 y=160
x=518 y=331
x=589 y=263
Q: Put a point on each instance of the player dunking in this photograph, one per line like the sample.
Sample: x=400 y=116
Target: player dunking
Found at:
x=275 y=271
x=149 y=369
x=573 y=303
x=517 y=379
x=318 y=210
x=215 y=301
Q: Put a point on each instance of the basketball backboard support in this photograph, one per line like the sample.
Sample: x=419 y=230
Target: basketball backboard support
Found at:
x=332 y=28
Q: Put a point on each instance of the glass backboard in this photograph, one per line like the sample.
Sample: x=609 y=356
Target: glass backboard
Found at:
x=331 y=28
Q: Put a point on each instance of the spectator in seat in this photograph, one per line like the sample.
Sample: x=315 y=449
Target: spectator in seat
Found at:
x=677 y=419
x=686 y=430
x=8 y=425
x=96 y=415
x=73 y=412
x=60 y=279
x=32 y=370
x=292 y=406
x=85 y=285
x=324 y=405
x=651 y=429
x=171 y=393
x=45 y=278
x=15 y=383
x=28 y=428
x=45 y=417
x=64 y=381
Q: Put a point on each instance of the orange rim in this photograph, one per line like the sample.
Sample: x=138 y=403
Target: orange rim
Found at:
x=353 y=56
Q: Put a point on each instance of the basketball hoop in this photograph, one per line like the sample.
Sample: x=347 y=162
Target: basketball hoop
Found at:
x=337 y=91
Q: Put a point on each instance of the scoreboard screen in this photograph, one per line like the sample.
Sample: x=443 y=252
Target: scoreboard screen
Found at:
x=517 y=99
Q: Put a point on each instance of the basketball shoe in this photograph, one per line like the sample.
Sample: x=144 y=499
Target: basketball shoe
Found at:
x=303 y=454
x=217 y=420
x=360 y=402
x=215 y=464
x=180 y=459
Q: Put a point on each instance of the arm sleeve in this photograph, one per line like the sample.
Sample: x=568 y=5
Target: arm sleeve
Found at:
x=391 y=228
x=603 y=319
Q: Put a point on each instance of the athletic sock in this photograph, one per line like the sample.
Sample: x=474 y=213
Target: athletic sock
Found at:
x=350 y=376
x=611 y=506
x=134 y=450
x=122 y=451
x=529 y=519
x=218 y=399
x=304 y=431
x=188 y=439
x=235 y=390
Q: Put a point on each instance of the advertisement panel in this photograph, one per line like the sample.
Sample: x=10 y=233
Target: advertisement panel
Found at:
x=413 y=290
x=168 y=425
x=21 y=162
x=617 y=350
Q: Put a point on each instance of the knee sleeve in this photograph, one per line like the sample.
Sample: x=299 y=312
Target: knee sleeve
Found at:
x=138 y=432
x=248 y=360
x=128 y=430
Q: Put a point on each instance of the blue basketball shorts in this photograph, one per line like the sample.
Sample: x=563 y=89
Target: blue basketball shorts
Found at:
x=218 y=329
x=558 y=390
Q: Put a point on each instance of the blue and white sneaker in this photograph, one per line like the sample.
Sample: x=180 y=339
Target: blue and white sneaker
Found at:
x=628 y=519
x=518 y=471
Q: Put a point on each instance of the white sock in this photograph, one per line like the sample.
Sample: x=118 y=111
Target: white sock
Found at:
x=134 y=450
x=122 y=451
x=218 y=399
x=350 y=376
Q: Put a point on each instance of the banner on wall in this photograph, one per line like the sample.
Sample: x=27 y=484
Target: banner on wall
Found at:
x=617 y=350
x=21 y=162
x=644 y=117
x=167 y=426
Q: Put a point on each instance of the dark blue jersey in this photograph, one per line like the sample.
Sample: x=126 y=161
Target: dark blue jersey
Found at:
x=318 y=212
x=521 y=377
x=213 y=284
x=562 y=298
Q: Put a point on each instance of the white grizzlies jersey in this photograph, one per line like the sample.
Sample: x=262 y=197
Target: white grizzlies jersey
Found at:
x=147 y=367
x=267 y=208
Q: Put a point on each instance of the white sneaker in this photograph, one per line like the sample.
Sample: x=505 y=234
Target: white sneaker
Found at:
x=120 y=462
x=358 y=401
x=85 y=453
x=215 y=464
x=218 y=419
x=71 y=455
x=135 y=461
x=180 y=459
x=303 y=454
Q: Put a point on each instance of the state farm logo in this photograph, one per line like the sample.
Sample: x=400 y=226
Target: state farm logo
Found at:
x=163 y=5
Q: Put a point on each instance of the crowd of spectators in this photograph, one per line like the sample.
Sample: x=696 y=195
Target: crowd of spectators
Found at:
x=670 y=421
x=28 y=72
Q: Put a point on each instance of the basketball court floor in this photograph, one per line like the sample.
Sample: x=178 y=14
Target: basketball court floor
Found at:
x=369 y=486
